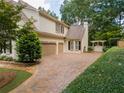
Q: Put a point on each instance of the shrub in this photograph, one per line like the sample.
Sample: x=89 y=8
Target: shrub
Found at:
x=2 y=57
x=9 y=59
x=113 y=42
x=106 y=49
x=28 y=45
x=90 y=49
x=6 y=58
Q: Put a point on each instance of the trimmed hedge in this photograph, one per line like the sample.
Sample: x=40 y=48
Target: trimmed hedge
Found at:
x=106 y=75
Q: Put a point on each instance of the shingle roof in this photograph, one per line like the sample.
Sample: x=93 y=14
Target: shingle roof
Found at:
x=75 y=32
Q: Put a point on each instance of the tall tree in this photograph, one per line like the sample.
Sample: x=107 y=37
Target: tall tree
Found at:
x=105 y=16
x=9 y=17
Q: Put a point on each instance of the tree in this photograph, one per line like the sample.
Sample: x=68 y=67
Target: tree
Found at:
x=9 y=17
x=28 y=45
x=104 y=16
x=52 y=13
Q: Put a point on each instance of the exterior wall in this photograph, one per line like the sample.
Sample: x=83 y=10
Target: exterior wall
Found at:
x=61 y=48
x=47 y=26
x=65 y=31
x=14 y=55
x=52 y=40
x=32 y=14
x=43 y=24
x=84 y=43
x=69 y=51
x=121 y=44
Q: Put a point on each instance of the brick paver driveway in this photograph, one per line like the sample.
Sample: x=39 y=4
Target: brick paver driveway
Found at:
x=56 y=72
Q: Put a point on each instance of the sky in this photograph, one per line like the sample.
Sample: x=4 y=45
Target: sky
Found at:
x=53 y=5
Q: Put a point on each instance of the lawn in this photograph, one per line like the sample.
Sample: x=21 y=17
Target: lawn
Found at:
x=21 y=76
x=106 y=75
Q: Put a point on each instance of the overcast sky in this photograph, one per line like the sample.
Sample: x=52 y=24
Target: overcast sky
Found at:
x=53 y=5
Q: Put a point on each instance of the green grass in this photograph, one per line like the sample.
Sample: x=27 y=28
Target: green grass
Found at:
x=106 y=75
x=21 y=76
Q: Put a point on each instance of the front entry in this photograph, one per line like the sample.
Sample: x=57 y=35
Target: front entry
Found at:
x=74 y=45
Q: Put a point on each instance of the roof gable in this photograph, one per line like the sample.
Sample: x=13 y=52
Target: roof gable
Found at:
x=26 y=5
x=75 y=32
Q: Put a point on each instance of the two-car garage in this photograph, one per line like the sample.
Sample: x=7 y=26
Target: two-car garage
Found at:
x=49 y=49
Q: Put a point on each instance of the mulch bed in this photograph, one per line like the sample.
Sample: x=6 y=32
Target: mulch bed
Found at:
x=18 y=63
x=6 y=77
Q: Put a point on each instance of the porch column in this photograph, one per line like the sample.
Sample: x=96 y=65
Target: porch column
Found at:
x=57 y=46
x=82 y=47
x=74 y=46
x=14 y=55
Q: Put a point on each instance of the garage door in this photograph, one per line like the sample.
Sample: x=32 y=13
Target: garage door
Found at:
x=48 y=49
x=60 y=48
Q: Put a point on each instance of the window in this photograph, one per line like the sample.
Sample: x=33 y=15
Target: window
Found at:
x=70 y=45
x=59 y=28
x=7 y=47
x=62 y=29
x=78 y=45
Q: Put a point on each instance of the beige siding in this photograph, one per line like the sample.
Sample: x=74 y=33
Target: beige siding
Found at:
x=42 y=23
x=60 y=48
x=121 y=44
x=47 y=25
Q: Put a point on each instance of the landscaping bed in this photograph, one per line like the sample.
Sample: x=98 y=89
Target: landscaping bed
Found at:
x=16 y=77
x=106 y=75
x=6 y=77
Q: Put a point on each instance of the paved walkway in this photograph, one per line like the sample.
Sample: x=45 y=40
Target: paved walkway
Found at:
x=56 y=72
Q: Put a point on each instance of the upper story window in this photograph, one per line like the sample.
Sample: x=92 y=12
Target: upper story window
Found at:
x=59 y=28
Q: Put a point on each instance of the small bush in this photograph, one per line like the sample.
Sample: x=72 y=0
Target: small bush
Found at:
x=6 y=58
x=2 y=57
x=106 y=49
x=9 y=59
x=90 y=49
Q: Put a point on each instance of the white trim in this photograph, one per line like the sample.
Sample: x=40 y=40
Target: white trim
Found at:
x=57 y=48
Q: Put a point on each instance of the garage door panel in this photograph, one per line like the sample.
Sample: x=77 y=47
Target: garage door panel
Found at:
x=48 y=49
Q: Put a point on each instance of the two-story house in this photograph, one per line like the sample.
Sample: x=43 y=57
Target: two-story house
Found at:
x=56 y=37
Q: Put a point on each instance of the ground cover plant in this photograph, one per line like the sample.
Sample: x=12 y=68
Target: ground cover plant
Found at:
x=106 y=75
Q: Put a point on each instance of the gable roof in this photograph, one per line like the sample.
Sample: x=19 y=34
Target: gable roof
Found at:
x=26 y=5
x=75 y=32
